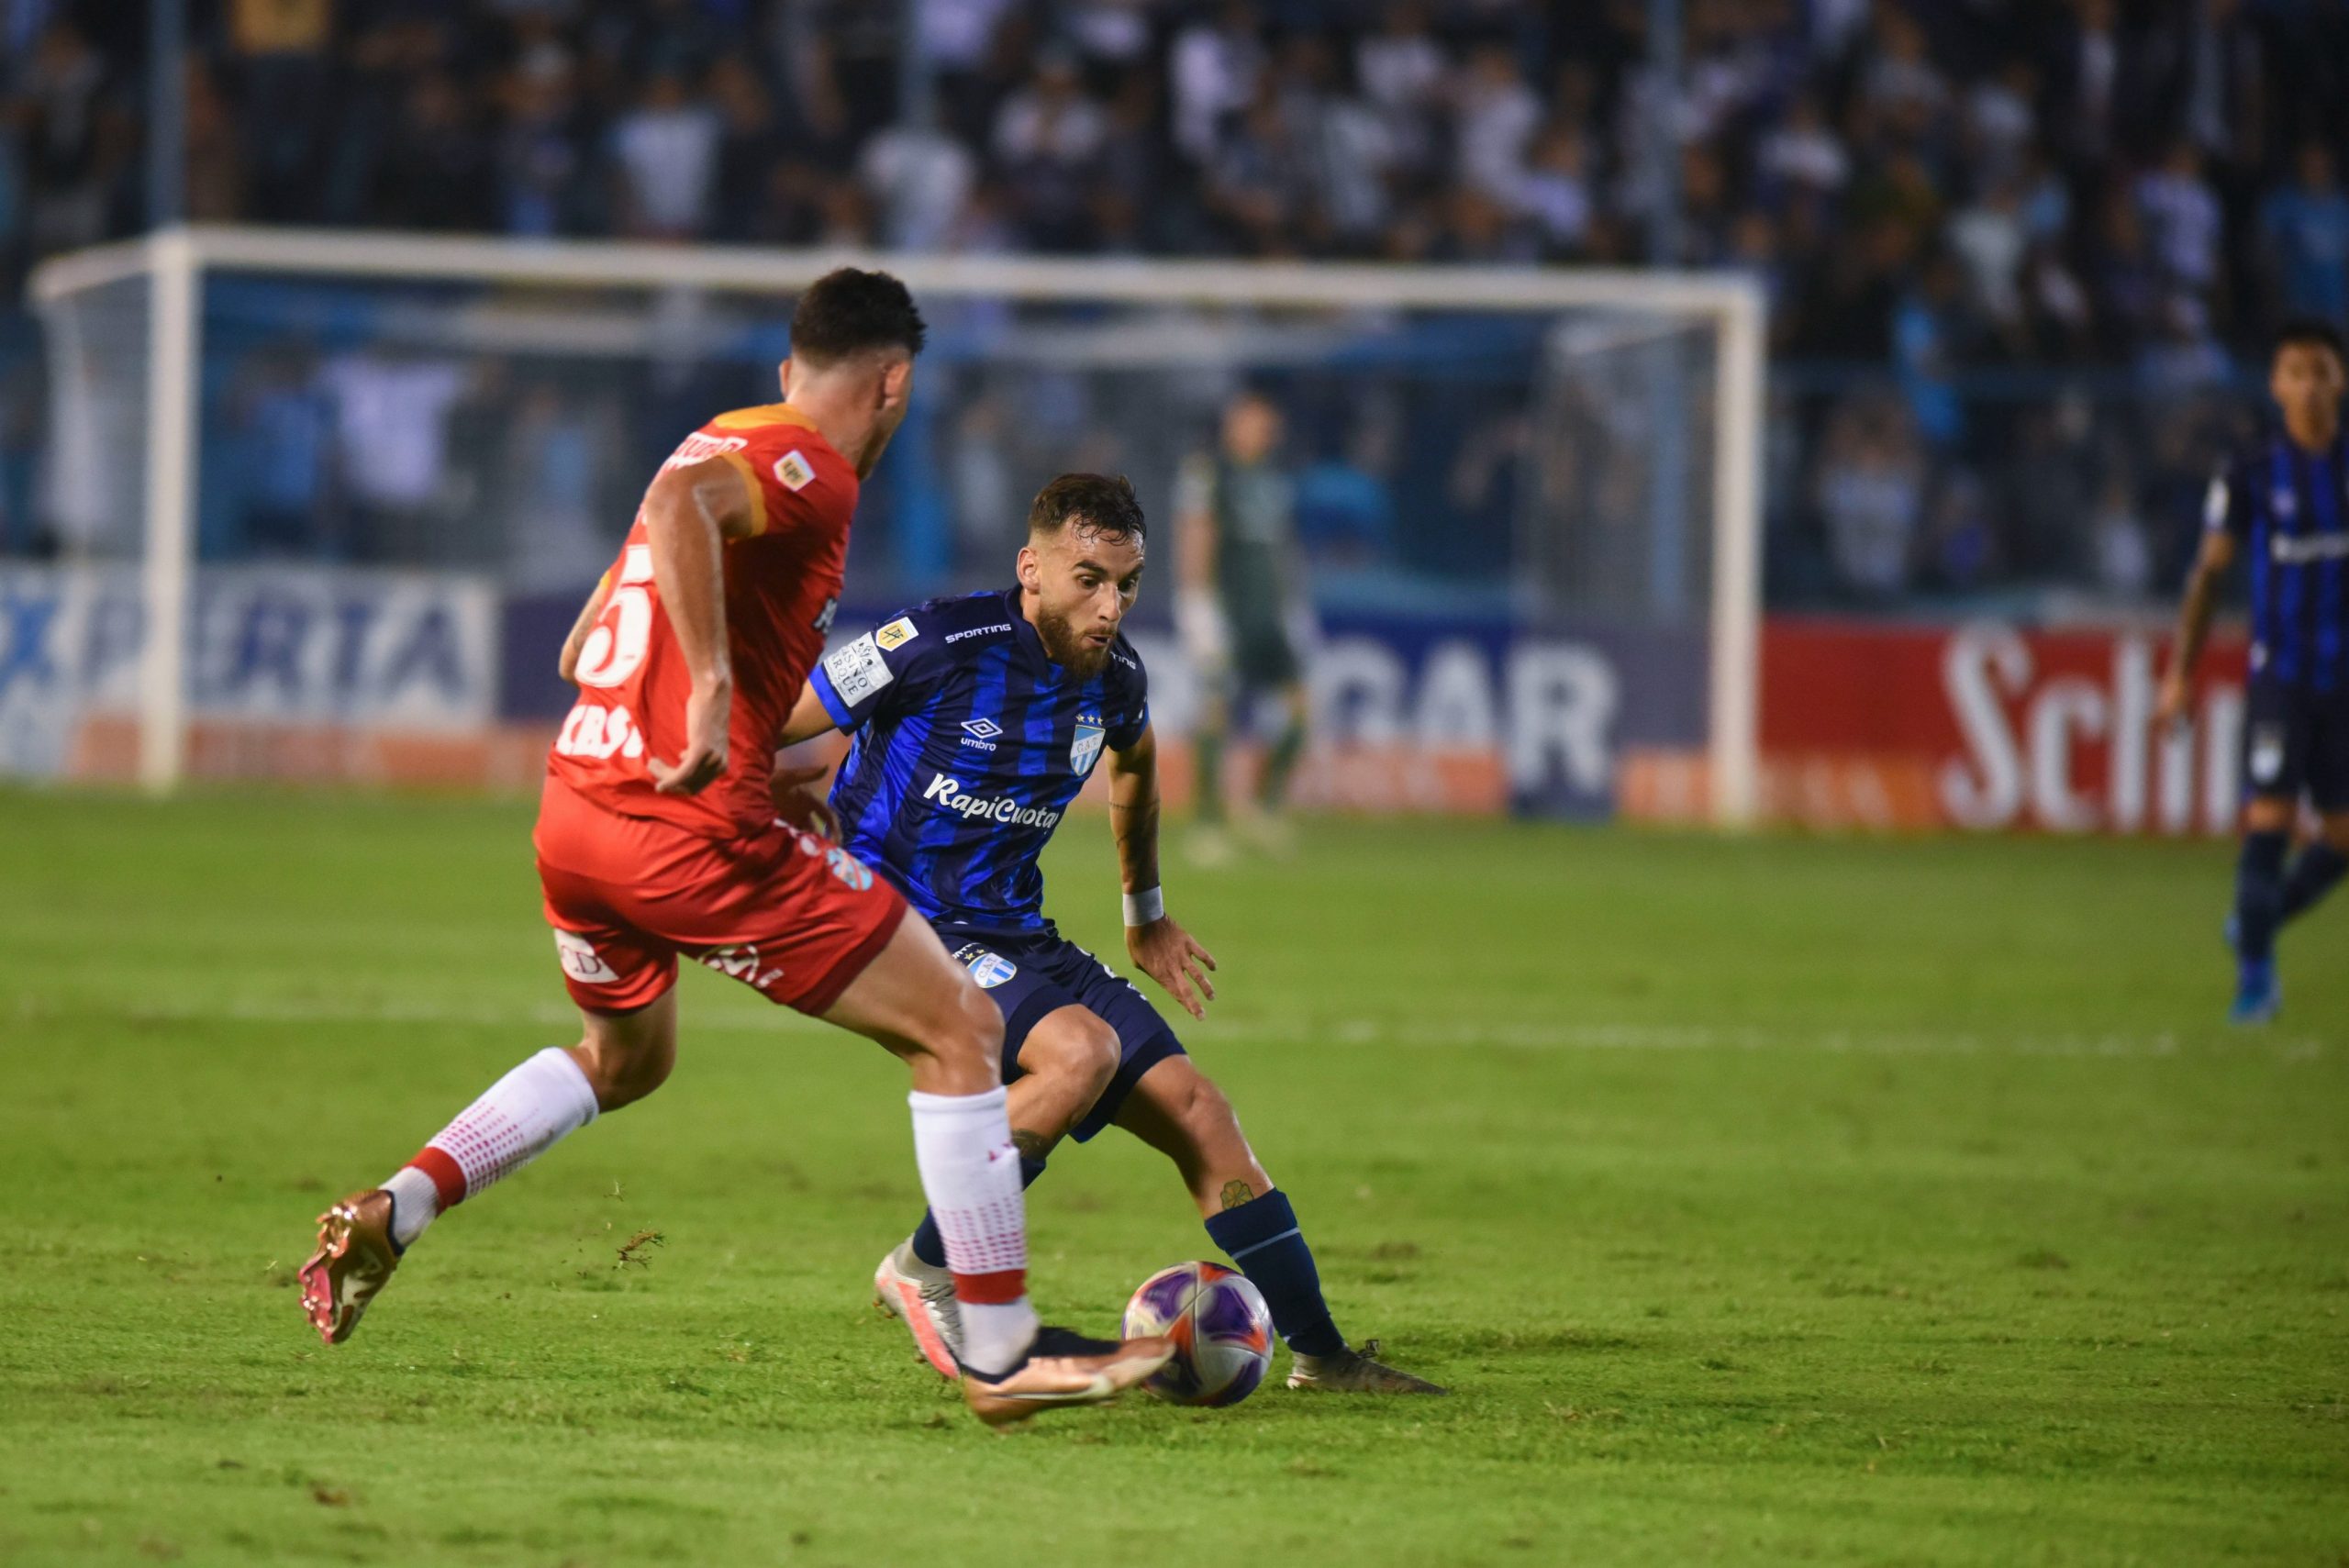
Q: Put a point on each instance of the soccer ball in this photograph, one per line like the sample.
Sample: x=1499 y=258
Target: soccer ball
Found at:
x=1221 y=1328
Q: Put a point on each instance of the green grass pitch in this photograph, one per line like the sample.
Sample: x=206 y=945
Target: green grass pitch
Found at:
x=1765 y=1201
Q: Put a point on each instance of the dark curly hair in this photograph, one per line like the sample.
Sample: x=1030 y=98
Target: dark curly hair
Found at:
x=2310 y=332
x=846 y=311
x=1095 y=503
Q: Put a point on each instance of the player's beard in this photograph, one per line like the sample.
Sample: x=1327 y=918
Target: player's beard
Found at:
x=1065 y=647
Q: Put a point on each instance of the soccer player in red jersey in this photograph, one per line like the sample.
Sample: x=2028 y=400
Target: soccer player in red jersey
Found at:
x=657 y=836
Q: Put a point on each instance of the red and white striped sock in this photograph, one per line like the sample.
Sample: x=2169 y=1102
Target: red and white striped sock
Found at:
x=520 y=1118
x=970 y=1173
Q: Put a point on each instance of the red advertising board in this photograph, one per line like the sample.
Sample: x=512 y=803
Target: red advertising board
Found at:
x=1989 y=727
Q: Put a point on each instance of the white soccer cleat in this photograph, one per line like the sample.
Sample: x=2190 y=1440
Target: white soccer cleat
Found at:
x=922 y=1298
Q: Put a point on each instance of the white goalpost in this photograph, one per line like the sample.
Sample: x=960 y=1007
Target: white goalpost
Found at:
x=173 y=267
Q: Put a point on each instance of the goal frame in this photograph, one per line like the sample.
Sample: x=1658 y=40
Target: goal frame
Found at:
x=177 y=260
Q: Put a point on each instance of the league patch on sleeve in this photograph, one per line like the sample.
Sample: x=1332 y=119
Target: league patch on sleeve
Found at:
x=857 y=670
x=793 y=469
x=2214 y=503
x=897 y=633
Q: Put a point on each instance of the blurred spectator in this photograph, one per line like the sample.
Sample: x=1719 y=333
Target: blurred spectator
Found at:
x=1555 y=192
x=2182 y=217
x=284 y=73
x=2121 y=556
x=1402 y=72
x=1997 y=204
x=1871 y=493
x=286 y=425
x=392 y=444
x=549 y=507
x=2304 y=229
x=541 y=175
x=1802 y=156
x=1211 y=73
x=1989 y=238
x=216 y=160
x=1494 y=120
x=76 y=142
x=2002 y=119
x=667 y=151
x=436 y=173
x=1048 y=140
x=1960 y=545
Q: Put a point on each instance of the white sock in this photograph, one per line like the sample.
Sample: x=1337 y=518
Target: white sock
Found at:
x=970 y=1173
x=416 y=1203
x=523 y=1115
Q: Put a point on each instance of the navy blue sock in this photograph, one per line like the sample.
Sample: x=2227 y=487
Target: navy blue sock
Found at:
x=1261 y=1237
x=2259 y=894
x=930 y=1247
x=2314 y=870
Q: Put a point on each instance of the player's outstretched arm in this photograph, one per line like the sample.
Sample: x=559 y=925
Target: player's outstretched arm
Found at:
x=2202 y=584
x=1157 y=944
x=690 y=514
x=809 y=717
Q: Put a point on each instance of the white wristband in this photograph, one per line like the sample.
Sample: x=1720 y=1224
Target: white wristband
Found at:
x=1143 y=907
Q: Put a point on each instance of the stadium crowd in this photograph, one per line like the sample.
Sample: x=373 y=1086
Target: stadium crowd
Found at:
x=2014 y=248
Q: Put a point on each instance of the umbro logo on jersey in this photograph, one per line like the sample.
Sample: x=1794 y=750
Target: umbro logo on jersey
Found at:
x=981 y=733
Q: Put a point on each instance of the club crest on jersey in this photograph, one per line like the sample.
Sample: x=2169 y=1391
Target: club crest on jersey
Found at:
x=897 y=633
x=1085 y=750
x=2285 y=503
x=793 y=469
x=989 y=968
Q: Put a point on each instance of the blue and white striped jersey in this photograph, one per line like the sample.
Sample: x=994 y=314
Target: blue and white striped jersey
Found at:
x=2288 y=509
x=967 y=744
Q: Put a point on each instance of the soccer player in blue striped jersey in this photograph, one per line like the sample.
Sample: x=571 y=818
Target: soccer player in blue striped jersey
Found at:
x=2284 y=506
x=974 y=722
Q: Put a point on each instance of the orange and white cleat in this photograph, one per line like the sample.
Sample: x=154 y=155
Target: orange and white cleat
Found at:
x=922 y=1298
x=1063 y=1368
x=354 y=1259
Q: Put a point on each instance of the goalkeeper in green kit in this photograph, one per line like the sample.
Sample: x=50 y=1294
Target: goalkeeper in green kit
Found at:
x=1241 y=611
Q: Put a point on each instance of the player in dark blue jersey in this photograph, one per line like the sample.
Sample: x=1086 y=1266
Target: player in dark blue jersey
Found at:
x=2283 y=505
x=974 y=721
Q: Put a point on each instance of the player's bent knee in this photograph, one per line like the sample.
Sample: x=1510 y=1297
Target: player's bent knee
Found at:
x=620 y=1076
x=968 y=1041
x=1073 y=1045
x=626 y=1056
x=1208 y=1110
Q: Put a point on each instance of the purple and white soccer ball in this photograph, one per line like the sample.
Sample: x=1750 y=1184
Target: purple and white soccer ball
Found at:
x=1221 y=1328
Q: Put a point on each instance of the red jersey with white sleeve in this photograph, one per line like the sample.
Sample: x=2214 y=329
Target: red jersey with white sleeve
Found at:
x=782 y=584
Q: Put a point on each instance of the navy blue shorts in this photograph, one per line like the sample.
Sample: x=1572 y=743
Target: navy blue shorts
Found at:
x=2296 y=741
x=1030 y=976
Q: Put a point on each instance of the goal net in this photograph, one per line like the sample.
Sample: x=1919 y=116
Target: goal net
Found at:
x=327 y=503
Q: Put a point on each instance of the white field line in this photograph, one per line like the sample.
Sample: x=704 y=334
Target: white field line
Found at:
x=1445 y=1034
